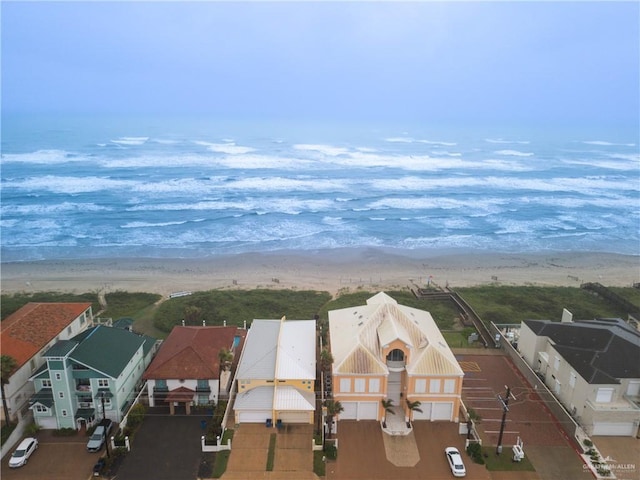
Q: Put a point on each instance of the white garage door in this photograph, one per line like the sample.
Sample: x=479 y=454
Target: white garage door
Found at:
x=359 y=411
x=613 y=428
x=442 y=411
x=350 y=411
x=254 y=416
x=426 y=412
x=367 y=410
x=294 y=417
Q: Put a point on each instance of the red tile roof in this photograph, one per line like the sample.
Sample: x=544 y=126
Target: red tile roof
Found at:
x=180 y=394
x=25 y=332
x=192 y=352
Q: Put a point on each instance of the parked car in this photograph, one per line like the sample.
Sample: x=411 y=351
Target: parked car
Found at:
x=99 y=435
x=21 y=455
x=99 y=466
x=455 y=461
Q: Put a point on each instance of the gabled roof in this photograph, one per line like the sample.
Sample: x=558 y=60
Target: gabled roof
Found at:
x=359 y=335
x=25 y=332
x=106 y=349
x=192 y=352
x=279 y=349
x=602 y=351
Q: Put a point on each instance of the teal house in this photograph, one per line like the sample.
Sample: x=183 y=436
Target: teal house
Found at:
x=95 y=374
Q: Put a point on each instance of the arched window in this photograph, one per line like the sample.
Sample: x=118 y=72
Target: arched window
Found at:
x=395 y=355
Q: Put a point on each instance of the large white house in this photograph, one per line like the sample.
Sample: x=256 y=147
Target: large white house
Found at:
x=592 y=367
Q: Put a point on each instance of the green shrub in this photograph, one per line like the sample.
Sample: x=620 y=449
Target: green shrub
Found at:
x=65 y=432
x=587 y=442
x=136 y=416
x=474 y=450
x=331 y=451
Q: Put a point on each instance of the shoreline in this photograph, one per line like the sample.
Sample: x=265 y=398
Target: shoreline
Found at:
x=326 y=270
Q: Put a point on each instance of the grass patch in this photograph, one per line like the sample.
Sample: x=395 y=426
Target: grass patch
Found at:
x=319 y=465
x=128 y=304
x=12 y=303
x=460 y=339
x=220 y=463
x=504 y=462
x=237 y=306
x=506 y=304
x=272 y=452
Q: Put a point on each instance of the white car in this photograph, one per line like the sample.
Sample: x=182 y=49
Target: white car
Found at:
x=23 y=452
x=455 y=462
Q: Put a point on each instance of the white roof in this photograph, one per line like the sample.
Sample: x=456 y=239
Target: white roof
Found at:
x=259 y=398
x=281 y=398
x=290 y=398
x=279 y=349
x=359 y=334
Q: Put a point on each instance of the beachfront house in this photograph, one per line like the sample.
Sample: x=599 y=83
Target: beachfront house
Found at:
x=189 y=368
x=591 y=366
x=276 y=373
x=27 y=334
x=384 y=351
x=93 y=375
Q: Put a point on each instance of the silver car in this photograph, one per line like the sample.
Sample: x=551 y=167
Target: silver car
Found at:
x=23 y=452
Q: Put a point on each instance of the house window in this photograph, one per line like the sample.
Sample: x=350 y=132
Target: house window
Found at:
x=421 y=385
x=41 y=408
x=103 y=383
x=203 y=383
x=160 y=383
x=604 y=395
x=359 y=385
x=572 y=379
x=374 y=385
x=64 y=413
x=61 y=394
x=32 y=364
x=46 y=383
x=345 y=385
x=556 y=363
x=83 y=319
x=395 y=355
x=449 y=385
x=69 y=330
x=58 y=376
x=434 y=385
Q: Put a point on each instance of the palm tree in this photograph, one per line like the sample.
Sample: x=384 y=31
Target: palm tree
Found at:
x=326 y=359
x=8 y=365
x=414 y=406
x=226 y=359
x=333 y=408
x=387 y=404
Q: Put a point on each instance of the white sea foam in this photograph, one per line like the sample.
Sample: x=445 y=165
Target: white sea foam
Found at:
x=435 y=142
x=399 y=140
x=608 y=144
x=49 y=209
x=229 y=148
x=130 y=140
x=514 y=153
x=70 y=185
x=501 y=140
x=153 y=225
x=43 y=157
x=323 y=149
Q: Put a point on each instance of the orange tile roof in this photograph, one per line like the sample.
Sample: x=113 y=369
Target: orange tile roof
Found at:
x=25 y=332
x=192 y=352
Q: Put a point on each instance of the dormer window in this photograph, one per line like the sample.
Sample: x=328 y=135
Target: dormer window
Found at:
x=395 y=355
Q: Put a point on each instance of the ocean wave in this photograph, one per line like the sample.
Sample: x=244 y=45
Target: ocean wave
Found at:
x=159 y=224
x=43 y=157
x=259 y=206
x=608 y=144
x=48 y=209
x=130 y=141
x=228 y=148
x=514 y=153
x=501 y=140
x=324 y=149
x=399 y=140
x=436 y=142
x=70 y=185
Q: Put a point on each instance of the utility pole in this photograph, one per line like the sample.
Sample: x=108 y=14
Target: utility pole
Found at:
x=505 y=409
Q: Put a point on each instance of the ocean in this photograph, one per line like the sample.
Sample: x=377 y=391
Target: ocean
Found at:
x=87 y=187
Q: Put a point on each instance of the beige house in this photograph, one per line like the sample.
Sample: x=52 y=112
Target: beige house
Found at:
x=277 y=372
x=386 y=351
x=592 y=367
x=27 y=334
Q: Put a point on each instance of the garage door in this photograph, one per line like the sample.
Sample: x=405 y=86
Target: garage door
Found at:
x=350 y=411
x=294 y=417
x=426 y=412
x=359 y=411
x=254 y=416
x=613 y=428
x=442 y=411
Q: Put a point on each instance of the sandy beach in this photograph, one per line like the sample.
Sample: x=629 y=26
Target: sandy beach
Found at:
x=333 y=271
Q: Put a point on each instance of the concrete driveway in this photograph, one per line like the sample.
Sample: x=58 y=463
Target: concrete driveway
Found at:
x=57 y=458
x=622 y=454
x=166 y=447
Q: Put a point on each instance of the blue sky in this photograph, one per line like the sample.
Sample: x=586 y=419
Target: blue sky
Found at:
x=483 y=62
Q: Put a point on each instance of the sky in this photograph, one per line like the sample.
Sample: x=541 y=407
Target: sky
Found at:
x=520 y=62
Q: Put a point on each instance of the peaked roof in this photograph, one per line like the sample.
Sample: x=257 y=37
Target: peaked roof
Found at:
x=279 y=349
x=192 y=352
x=27 y=331
x=359 y=335
x=602 y=351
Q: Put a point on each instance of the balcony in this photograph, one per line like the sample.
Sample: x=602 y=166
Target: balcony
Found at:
x=83 y=386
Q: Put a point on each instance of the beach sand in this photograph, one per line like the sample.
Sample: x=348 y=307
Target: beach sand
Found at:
x=333 y=271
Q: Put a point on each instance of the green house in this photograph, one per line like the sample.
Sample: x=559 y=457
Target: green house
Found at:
x=96 y=374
